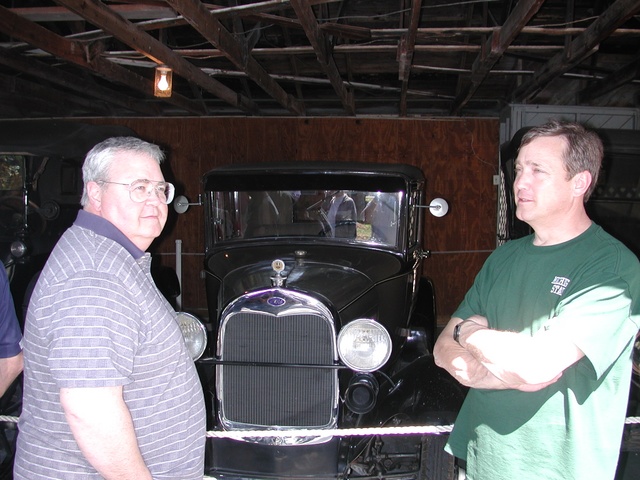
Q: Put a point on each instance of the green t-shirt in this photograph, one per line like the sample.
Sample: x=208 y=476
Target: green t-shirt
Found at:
x=588 y=289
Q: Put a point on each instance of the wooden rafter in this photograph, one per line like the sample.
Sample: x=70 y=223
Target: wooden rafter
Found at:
x=214 y=32
x=327 y=63
x=99 y=14
x=580 y=48
x=38 y=97
x=626 y=74
x=319 y=57
x=75 y=53
x=405 y=55
x=69 y=81
x=495 y=47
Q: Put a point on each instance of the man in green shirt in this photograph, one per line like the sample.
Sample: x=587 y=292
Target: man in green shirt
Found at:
x=544 y=337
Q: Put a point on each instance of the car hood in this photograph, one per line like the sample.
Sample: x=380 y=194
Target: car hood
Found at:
x=336 y=279
x=336 y=283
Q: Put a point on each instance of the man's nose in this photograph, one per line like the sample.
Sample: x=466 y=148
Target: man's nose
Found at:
x=153 y=196
x=520 y=181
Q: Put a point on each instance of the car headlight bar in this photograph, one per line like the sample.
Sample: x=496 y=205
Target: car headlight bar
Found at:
x=364 y=345
x=194 y=333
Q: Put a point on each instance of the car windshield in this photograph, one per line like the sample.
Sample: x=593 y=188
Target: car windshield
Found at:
x=370 y=217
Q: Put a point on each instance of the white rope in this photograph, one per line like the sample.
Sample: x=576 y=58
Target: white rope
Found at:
x=344 y=432
x=418 y=430
x=350 y=432
x=341 y=432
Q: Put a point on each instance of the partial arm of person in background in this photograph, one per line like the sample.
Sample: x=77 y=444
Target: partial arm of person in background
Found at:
x=102 y=426
x=10 y=368
x=10 y=336
x=492 y=359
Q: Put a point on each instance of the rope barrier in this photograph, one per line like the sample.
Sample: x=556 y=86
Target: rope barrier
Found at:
x=340 y=432
x=344 y=432
x=350 y=432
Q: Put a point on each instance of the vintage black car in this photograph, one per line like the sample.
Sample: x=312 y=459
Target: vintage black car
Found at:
x=321 y=324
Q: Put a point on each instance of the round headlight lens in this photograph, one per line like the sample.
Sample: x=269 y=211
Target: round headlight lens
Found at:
x=364 y=345
x=194 y=333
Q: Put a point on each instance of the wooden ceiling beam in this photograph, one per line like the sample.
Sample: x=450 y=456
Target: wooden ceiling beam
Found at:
x=390 y=50
x=63 y=14
x=156 y=17
x=325 y=58
x=41 y=98
x=76 y=53
x=466 y=39
x=69 y=81
x=626 y=74
x=249 y=39
x=580 y=48
x=99 y=14
x=406 y=49
x=337 y=49
x=200 y=18
x=495 y=47
x=155 y=20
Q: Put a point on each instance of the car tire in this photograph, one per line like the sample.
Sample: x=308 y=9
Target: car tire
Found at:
x=435 y=463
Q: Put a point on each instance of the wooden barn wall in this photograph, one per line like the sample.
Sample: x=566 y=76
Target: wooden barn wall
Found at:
x=459 y=158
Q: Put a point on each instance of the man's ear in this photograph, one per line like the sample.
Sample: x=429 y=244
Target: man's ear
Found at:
x=94 y=193
x=581 y=183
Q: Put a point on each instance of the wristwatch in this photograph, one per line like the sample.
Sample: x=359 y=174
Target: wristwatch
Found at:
x=456 y=331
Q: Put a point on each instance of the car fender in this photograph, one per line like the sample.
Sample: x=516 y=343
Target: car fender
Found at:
x=419 y=394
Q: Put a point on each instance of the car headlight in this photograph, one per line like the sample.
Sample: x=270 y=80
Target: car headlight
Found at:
x=364 y=345
x=194 y=333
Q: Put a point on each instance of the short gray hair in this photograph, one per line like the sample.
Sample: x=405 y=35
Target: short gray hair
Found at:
x=98 y=161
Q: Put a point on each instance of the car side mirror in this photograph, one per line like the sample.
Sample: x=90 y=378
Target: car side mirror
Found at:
x=181 y=203
x=438 y=207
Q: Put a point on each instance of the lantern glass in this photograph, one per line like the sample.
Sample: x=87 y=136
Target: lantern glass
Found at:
x=163 y=81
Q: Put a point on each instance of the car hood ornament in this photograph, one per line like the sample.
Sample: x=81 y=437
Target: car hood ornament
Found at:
x=278 y=279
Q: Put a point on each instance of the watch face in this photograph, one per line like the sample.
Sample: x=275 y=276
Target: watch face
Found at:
x=456 y=332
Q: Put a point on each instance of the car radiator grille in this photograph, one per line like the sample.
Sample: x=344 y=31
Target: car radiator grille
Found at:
x=278 y=395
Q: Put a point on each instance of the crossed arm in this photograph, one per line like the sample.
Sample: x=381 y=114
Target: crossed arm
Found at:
x=491 y=359
x=101 y=424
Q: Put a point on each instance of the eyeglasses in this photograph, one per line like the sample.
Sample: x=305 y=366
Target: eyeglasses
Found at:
x=140 y=190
